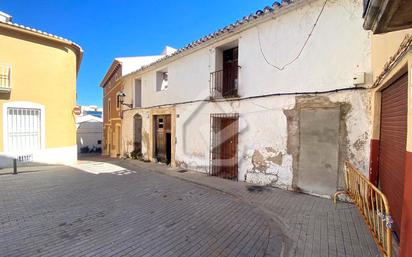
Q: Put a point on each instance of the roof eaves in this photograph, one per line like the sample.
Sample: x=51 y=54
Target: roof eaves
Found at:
x=259 y=15
x=115 y=64
x=404 y=47
x=77 y=47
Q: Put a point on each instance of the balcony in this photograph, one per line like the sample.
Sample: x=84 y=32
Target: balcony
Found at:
x=224 y=83
x=5 y=85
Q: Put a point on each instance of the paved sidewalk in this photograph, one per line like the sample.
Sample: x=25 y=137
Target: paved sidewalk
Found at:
x=312 y=226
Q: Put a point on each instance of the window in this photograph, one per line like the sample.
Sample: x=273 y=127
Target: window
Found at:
x=99 y=142
x=137 y=93
x=24 y=124
x=118 y=101
x=23 y=129
x=160 y=123
x=109 y=109
x=162 y=80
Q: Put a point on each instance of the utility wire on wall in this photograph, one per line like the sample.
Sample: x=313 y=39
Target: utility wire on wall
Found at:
x=280 y=68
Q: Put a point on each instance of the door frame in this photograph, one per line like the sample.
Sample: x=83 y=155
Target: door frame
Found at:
x=166 y=129
x=152 y=147
x=215 y=170
x=301 y=184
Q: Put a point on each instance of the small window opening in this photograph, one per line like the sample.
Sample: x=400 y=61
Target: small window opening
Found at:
x=162 y=82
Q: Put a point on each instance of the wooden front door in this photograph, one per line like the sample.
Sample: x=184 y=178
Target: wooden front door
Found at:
x=162 y=138
x=392 y=149
x=224 y=159
x=230 y=72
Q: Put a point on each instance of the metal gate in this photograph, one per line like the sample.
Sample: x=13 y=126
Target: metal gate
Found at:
x=23 y=130
x=393 y=145
x=224 y=141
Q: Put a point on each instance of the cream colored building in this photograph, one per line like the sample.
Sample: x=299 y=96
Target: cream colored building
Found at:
x=38 y=73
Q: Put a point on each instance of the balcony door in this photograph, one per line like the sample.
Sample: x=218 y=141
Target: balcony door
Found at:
x=230 y=72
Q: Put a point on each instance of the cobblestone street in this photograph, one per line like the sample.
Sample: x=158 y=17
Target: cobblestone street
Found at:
x=130 y=208
x=66 y=212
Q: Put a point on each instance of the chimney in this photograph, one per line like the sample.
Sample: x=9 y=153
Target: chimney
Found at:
x=4 y=17
x=168 y=50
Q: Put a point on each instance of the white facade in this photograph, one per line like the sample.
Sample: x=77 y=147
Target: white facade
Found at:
x=89 y=132
x=337 y=49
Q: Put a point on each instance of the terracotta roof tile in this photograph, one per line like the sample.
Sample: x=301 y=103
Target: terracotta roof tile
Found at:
x=41 y=33
x=254 y=16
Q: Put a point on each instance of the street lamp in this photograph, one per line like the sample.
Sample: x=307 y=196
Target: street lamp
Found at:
x=121 y=96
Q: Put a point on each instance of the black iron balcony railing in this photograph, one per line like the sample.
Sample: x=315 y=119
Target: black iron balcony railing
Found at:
x=224 y=84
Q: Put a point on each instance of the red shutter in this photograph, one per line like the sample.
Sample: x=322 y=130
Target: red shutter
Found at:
x=393 y=145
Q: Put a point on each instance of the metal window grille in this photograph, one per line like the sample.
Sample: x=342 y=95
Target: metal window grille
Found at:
x=23 y=130
x=224 y=130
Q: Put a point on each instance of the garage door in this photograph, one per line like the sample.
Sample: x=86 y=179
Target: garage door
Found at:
x=393 y=145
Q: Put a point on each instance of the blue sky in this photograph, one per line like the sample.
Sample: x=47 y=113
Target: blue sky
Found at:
x=116 y=28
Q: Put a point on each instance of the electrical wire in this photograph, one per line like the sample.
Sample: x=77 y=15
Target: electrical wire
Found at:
x=281 y=68
x=207 y=100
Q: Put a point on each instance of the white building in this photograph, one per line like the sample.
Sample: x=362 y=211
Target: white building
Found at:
x=89 y=127
x=91 y=110
x=89 y=133
x=279 y=97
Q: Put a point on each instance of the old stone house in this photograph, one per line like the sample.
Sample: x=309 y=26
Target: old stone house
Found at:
x=280 y=97
x=283 y=97
x=112 y=87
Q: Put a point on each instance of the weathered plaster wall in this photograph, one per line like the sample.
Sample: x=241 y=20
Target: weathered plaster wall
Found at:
x=264 y=154
x=323 y=65
x=128 y=132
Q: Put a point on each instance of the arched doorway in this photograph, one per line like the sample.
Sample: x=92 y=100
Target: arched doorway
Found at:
x=137 y=138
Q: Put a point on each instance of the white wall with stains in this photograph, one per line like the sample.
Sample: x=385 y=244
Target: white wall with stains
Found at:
x=263 y=133
x=337 y=49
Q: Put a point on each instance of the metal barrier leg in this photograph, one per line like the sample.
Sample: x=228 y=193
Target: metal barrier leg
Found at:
x=15 y=166
x=335 y=196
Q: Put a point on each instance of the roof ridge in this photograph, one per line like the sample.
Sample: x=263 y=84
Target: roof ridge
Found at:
x=139 y=56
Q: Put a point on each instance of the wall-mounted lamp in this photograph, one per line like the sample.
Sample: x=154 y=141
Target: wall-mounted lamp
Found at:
x=121 y=96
